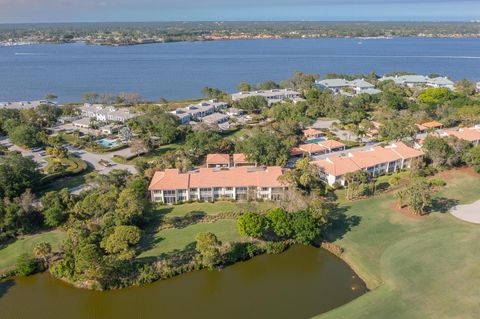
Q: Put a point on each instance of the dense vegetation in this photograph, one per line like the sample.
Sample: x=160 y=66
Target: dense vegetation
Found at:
x=137 y=33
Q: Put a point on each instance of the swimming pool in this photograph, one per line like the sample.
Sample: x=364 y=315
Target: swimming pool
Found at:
x=107 y=142
x=315 y=140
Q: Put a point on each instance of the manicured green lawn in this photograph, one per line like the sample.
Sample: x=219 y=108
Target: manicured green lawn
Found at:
x=173 y=239
x=416 y=268
x=213 y=208
x=10 y=253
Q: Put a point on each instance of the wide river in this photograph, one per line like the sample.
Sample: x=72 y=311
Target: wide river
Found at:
x=181 y=70
x=300 y=283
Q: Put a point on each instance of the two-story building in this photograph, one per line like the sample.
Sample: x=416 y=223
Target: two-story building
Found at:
x=376 y=161
x=107 y=113
x=209 y=184
x=272 y=96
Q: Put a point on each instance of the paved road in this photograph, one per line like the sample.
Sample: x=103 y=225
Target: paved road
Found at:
x=92 y=159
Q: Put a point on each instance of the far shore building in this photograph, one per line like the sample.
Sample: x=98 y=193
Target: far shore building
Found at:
x=24 y=105
x=420 y=80
x=209 y=184
x=107 y=114
x=272 y=96
x=470 y=134
x=196 y=112
x=376 y=161
x=359 y=86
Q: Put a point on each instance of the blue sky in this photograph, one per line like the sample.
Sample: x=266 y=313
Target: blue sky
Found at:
x=218 y=10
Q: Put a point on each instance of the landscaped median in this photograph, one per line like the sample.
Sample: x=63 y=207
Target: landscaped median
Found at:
x=72 y=166
x=415 y=267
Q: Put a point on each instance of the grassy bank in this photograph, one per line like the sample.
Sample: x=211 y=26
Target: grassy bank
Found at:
x=416 y=268
x=10 y=253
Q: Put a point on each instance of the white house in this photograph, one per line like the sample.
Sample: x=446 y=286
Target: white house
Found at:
x=107 y=113
x=272 y=96
x=196 y=112
x=360 y=86
x=420 y=80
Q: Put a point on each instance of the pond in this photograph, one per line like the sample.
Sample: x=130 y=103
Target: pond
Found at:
x=300 y=283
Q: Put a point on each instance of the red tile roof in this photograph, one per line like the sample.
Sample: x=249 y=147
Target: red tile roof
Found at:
x=210 y=177
x=338 y=166
x=311 y=148
x=471 y=134
x=218 y=159
x=312 y=132
x=296 y=151
x=240 y=158
x=331 y=144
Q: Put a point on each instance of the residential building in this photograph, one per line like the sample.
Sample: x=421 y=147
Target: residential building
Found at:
x=323 y=147
x=233 y=111
x=240 y=160
x=210 y=184
x=478 y=86
x=428 y=126
x=84 y=122
x=218 y=160
x=272 y=96
x=420 y=80
x=376 y=160
x=312 y=133
x=359 y=86
x=196 y=112
x=471 y=134
x=215 y=118
x=24 y=104
x=107 y=113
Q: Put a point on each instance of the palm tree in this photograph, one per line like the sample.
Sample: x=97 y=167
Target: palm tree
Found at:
x=42 y=251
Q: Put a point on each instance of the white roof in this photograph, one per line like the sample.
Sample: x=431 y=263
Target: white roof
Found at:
x=269 y=94
x=331 y=83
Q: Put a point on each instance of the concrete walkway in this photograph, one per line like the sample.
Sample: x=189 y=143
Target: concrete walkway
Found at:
x=469 y=213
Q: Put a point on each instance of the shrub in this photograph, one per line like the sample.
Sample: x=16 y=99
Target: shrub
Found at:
x=26 y=265
x=276 y=247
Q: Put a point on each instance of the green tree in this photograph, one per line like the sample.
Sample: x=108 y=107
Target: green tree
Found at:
x=53 y=217
x=417 y=195
x=300 y=81
x=24 y=135
x=265 y=148
x=251 y=225
x=305 y=177
x=17 y=173
x=130 y=207
x=207 y=245
x=244 y=87
x=305 y=227
x=42 y=250
x=472 y=158
x=26 y=265
x=122 y=242
x=252 y=104
x=438 y=151
x=280 y=222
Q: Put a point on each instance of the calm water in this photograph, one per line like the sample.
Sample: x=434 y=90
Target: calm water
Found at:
x=300 y=283
x=180 y=70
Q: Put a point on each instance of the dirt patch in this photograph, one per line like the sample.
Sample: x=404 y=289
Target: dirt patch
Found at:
x=452 y=172
x=405 y=211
